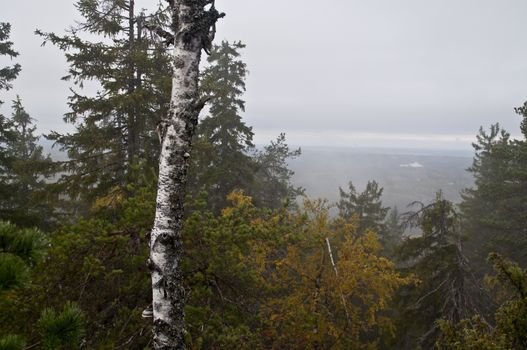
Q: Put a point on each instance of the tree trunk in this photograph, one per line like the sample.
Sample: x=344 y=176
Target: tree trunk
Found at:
x=193 y=29
x=131 y=146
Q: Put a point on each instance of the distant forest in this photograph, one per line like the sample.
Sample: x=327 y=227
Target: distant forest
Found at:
x=161 y=230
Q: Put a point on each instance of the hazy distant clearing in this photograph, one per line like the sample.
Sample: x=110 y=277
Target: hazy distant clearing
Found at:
x=406 y=177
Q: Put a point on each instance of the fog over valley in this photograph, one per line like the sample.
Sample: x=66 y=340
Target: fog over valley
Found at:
x=406 y=175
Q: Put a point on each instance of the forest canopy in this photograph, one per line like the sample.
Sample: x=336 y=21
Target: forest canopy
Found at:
x=166 y=226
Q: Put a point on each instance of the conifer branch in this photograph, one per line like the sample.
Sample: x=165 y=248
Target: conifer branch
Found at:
x=159 y=31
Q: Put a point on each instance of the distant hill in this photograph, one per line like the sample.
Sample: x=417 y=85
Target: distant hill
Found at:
x=405 y=175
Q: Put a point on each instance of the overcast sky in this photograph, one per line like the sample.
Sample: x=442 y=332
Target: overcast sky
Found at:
x=405 y=73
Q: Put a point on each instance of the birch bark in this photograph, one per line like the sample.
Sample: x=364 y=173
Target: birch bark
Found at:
x=192 y=30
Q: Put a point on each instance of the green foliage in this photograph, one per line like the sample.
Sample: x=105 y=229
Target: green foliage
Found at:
x=367 y=205
x=224 y=158
x=220 y=271
x=235 y=269
x=273 y=183
x=13 y=272
x=372 y=215
x=469 y=334
x=115 y=137
x=393 y=237
x=26 y=202
x=60 y=330
x=103 y=269
x=12 y=342
x=221 y=158
x=28 y=244
x=511 y=317
x=8 y=73
x=99 y=264
x=224 y=126
x=332 y=288
x=510 y=330
x=495 y=208
x=447 y=288
x=19 y=249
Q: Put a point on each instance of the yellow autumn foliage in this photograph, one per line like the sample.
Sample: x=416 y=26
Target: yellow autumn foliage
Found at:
x=322 y=304
x=114 y=198
x=308 y=281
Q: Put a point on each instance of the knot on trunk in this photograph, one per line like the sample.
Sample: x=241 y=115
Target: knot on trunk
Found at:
x=175 y=339
x=201 y=24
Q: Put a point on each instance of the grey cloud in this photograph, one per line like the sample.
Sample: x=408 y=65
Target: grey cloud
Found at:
x=406 y=66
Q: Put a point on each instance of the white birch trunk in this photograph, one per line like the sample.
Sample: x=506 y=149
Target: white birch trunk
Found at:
x=192 y=28
x=342 y=299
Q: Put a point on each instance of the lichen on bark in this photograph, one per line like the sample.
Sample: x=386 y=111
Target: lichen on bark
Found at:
x=193 y=26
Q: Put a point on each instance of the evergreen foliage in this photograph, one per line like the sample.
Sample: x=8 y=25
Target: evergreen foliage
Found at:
x=368 y=208
x=447 y=288
x=259 y=271
x=13 y=272
x=61 y=330
x=495 y=208
x=224 y=156
x=510 y=330
x=12 y=342
x=273 y=186
x=115 y=135
x=394 y=235
x=26 y=201
x=7 y=75
x=19 y=250
x=222 y=159
x=367 y=205
x=237 y=268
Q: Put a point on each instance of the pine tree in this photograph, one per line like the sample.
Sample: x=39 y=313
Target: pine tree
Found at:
x=20 y=251
x=26 y=202
x=115 y=135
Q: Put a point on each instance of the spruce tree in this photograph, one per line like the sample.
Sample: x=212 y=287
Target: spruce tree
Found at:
x=115 y=135
x=394 y=232
x=7 y=75
x=509 y=329
x=495 y=208
x=367 y=205
x=447 y=288
x=222 y=159
x=273 y=187
x=26 y=202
